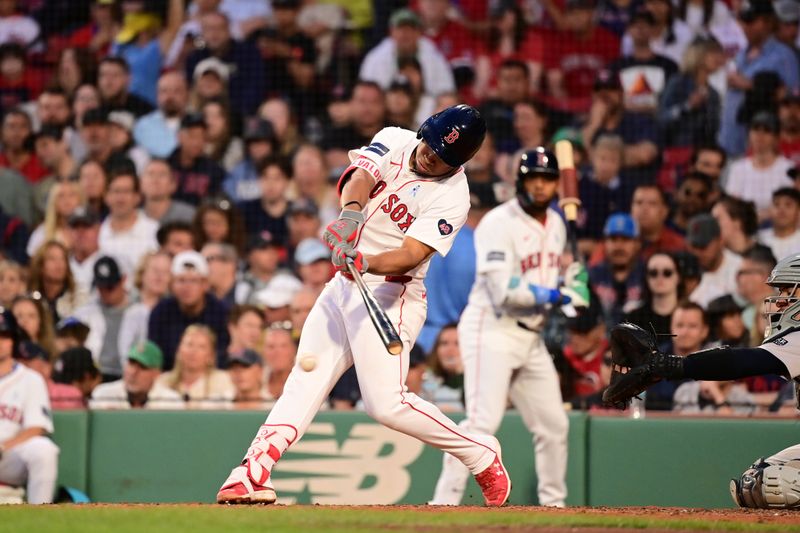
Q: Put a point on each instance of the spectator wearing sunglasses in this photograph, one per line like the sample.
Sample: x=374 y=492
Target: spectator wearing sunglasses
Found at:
x=662 y=291
x=691 y=199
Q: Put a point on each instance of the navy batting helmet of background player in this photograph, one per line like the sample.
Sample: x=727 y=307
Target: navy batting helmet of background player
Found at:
x=536 y=162
x=454 y=134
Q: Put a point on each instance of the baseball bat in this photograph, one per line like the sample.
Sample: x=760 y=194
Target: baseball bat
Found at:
x=376 y=313
x=570 y=200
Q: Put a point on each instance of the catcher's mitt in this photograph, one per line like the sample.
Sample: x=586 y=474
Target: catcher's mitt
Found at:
x=632 y=352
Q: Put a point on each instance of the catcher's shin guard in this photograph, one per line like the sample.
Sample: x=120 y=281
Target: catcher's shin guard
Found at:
x=768 y=486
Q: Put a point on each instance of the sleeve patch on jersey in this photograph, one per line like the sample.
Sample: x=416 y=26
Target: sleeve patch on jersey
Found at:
x=378 y=148
x=781 y=341
x=46 y=413
x=496 y=256
x=444 y=227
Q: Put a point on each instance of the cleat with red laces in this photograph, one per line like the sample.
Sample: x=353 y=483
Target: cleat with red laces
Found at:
x=494 y=482
x=242 y=488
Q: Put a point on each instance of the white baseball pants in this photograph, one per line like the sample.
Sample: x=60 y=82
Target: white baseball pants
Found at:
x=33 y=463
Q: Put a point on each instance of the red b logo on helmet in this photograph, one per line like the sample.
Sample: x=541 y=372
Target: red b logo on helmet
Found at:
x=451 y=137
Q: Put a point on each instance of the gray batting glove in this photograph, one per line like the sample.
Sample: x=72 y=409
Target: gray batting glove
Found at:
x=344 y=229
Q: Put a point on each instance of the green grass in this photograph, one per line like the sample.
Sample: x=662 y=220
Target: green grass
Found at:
x=208 y=518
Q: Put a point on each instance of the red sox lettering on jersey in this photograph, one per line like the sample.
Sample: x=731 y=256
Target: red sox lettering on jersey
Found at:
x=403 y=203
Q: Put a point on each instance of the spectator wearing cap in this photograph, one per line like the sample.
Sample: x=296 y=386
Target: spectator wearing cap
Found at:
x=63 y=199
x=157 y=131
x=756 y=176
x=763 y=53
x=139 y=387
x=113 y=82
x=313 y=260
x=17 y=153
x=76 y=367
x=719 y=264
x=669 y=35
x=639 y=131
x=789 y=117
x=618 y=279
x=17 y=27
x=246 y=328
x=198 y=176
x=269 y=211
x=246 y=369
x=247 y=82
x=95 y=132
x=580 y=365
x=104 y=315
x=263 y=260
x=783 y=237
x=61 y=396
x=183 y=43
x=368 y=117
x=71 y=332
x=143 y=41
x=209 y=82
x=690 y=108
x=127 y=233
x=83 y=230
x=643 y=73
x=303 y=221
x=158 y=184
x=190 y=303
x=242 y=183
x=175 y=237
x=692 y=198
x=223 y=263
x=787 y=13
x=275 y=300
x=122 y=142
x=405 y=39
x=575 y=55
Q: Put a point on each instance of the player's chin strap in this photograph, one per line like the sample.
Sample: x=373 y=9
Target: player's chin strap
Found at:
x=768 y=486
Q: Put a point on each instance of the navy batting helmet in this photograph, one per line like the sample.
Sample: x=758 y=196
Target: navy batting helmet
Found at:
x=454 y=134
x=536 y=162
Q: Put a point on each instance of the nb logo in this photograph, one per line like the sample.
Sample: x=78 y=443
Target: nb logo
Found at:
x=451 y=137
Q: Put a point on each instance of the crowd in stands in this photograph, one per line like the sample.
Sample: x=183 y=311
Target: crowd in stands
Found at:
x=167 y=166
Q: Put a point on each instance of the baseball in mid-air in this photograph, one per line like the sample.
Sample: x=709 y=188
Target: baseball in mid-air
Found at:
x=308 y=362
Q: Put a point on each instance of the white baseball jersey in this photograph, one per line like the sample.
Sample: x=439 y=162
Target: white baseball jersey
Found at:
x=24 y=402
x=403 y=203
x=510 y=242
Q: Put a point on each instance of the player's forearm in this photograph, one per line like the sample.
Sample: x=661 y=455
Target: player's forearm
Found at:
x=21 y=437
x=394 y=262
x=356 y=189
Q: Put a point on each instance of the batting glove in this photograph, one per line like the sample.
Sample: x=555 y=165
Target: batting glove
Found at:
x=546 y=295
x=344 y=229
x=342 y=252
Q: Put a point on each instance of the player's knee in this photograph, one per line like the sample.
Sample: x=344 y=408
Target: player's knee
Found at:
x=385 y=413
x=768 y=486
x=40 y=451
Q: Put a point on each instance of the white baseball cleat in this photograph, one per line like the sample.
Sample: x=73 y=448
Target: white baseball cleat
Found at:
x=242 y=488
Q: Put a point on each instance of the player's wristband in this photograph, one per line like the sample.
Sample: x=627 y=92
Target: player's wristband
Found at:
x=360 y=207
x=349 y=214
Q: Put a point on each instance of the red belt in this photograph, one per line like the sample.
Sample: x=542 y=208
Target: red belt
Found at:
x=389 y=279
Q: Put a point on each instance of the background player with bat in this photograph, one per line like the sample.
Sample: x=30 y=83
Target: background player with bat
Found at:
x=403 y=199
x=519 y=247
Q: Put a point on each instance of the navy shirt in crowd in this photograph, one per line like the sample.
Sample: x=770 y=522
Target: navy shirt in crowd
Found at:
x=257 y=220
x=167 y=323
x=199 y=181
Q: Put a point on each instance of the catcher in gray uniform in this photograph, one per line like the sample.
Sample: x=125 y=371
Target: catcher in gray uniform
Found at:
x=771 y=483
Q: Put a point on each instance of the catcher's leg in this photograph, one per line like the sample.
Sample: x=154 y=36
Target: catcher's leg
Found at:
x=773 y=483
x=303 y=394
x=487 y=372
x=535 y=392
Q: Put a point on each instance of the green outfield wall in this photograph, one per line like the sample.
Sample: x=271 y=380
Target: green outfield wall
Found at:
x=346 y=458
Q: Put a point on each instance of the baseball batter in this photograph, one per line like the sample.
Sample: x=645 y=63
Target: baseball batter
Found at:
x=27 y=456
x=518 y=245
x=404 y=198
x=768 y=483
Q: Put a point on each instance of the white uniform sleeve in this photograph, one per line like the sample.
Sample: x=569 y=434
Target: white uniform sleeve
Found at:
x=787 y=349
x=441 y=220
x=36 y=411
x=376 y=158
